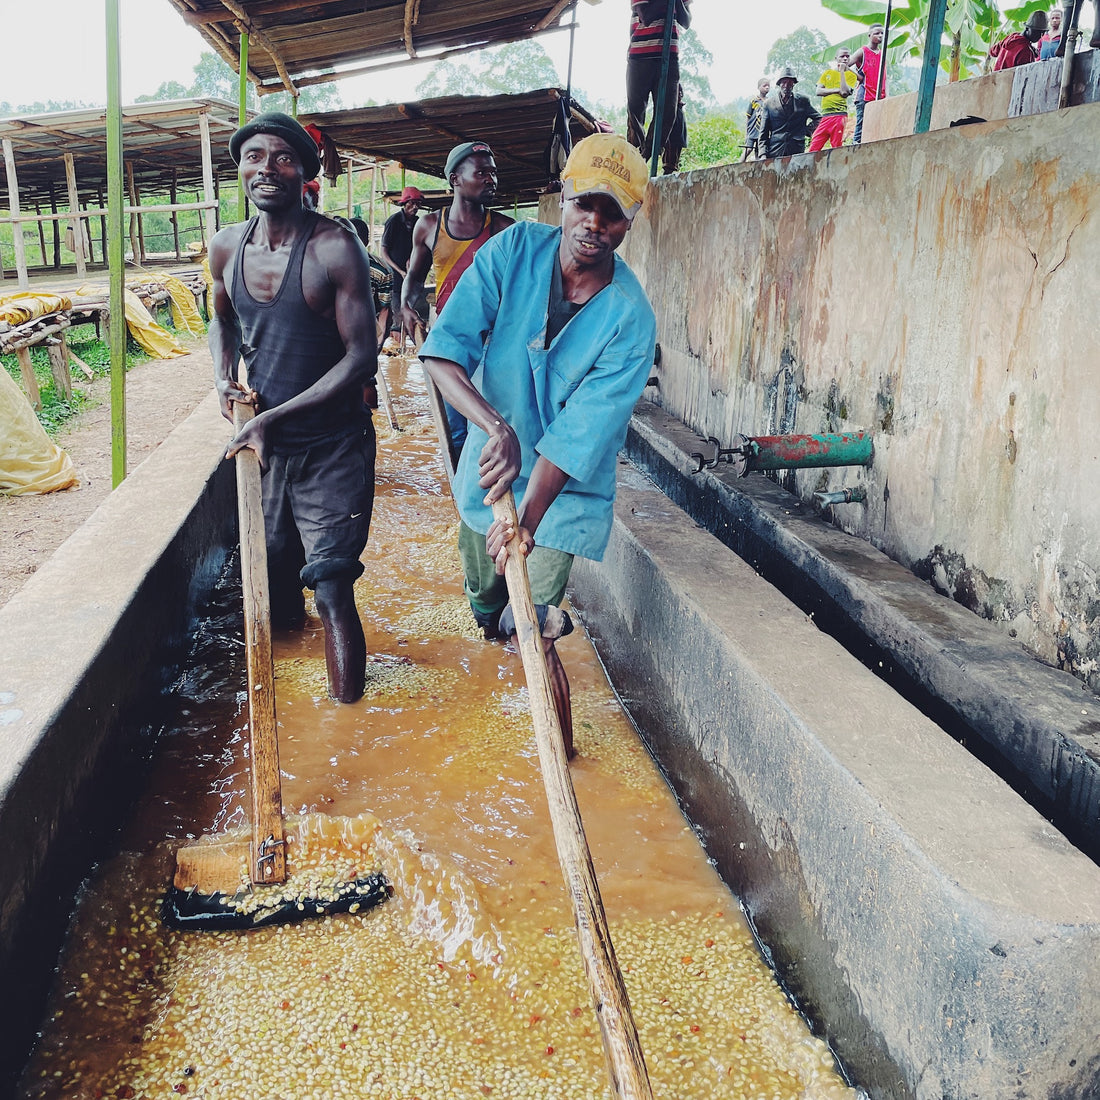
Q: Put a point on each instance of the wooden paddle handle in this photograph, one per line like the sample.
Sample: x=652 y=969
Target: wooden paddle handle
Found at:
x=625 y=1061
x=268 y=863
x=384 y=392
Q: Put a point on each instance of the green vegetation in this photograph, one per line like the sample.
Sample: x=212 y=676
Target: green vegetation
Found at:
x=970 y=29
x=717 y=139
x=56 y=411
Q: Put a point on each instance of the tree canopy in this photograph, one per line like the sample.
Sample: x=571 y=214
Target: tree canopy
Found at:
x=802 y=50
x=501 y=70
x=40 y=108
x=214 y=79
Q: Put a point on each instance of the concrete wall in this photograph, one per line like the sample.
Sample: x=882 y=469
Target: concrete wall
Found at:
x=934 y=290
x=1025 y=90
x=85 y=647
x=941 y=932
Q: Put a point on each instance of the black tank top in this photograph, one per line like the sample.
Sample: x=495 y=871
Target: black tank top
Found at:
x=287 y=347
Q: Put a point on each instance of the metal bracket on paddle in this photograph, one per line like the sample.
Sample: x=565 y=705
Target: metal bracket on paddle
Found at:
x=268 y=851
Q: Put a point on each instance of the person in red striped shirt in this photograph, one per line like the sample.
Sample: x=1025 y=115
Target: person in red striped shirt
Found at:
x=643 y=68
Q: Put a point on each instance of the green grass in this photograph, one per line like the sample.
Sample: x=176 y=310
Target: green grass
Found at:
x=56 y=411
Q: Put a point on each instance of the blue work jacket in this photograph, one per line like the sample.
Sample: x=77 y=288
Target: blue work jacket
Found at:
x=570 y=402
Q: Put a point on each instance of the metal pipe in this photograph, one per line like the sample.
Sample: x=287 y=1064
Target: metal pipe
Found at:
x=1069 y=40
x=855 y=495
x=799 y=452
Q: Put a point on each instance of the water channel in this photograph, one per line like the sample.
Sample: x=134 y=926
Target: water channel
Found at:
x=467 y=982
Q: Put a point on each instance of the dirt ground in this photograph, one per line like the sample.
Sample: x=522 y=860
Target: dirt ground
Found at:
x=159 y=394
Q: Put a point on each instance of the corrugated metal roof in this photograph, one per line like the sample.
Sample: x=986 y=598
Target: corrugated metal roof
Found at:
x=420 y=135
x=295 y=43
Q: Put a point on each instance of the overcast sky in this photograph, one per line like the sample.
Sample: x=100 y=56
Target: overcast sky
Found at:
x=157 y=46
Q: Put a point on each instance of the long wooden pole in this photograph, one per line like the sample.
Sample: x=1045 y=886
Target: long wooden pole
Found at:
x=242 y=114
x=373 y=192
x=116 y=248
x=74 y=209
x=268 y=864
x=662 y=87
x=926 y=90
x=625 y=1061
x=207 y=176
x=13 y=206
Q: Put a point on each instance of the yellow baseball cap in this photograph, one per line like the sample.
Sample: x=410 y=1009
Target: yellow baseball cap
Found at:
x=606 y=164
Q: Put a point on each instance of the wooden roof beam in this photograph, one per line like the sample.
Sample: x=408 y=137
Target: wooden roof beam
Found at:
x=412 y=17
x=205 y=18
x=553 y=14
x=256 y=35
x=369 y=70
x=410 y=112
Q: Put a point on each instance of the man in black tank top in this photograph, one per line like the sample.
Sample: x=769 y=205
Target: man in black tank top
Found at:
x=292 y=298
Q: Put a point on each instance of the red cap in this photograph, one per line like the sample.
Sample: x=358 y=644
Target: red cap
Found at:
x=410 y=194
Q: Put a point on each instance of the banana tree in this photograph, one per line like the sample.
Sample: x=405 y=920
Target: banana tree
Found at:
x=970 y=28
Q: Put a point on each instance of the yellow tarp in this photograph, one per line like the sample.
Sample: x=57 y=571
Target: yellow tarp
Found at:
x=30 y=462
x=157 y=341
x=24 y=305
x=185 y=314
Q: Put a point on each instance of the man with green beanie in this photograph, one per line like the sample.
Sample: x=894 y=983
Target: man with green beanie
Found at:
x=292 y=297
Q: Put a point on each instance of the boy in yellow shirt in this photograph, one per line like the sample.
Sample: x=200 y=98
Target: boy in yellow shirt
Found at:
x=835 y=86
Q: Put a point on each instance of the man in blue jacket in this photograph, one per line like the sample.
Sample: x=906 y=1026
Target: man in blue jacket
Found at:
x=546 y=347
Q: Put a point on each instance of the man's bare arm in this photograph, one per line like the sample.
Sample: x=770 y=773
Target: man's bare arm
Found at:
x=501 y=458
x=391 y=262
x=224 y=334
x=420 y=263
x=348 y=273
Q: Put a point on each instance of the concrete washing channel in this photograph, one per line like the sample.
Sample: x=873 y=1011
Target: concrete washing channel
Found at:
x=942 y=933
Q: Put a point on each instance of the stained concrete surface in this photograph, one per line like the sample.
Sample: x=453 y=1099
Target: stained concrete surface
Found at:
x=941 y=930
x=84 y=648
x=931 y=290
x=1042 y=722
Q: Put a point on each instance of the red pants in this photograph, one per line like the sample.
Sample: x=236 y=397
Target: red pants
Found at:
x=830 y=129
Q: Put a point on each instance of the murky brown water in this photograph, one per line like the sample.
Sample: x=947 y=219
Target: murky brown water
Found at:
x=468 y=982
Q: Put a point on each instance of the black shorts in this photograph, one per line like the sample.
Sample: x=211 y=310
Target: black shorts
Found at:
x=317 y=507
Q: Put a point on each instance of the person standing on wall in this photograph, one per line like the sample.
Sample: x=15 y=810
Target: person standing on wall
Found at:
x=397 y=243
x=447 y=241
x=1048 y=44
x=754 y=120
x=292 y=297
x=788 y=118
x=1022 y=47
x=643 y=69
x=546 y=347
x=1070 y=11
x=834 y=87
x=867 y=61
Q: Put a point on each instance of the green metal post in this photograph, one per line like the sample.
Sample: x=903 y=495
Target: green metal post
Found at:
x=242 y=114
x=116 y=256
x=930 y=66
x=659 y=105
